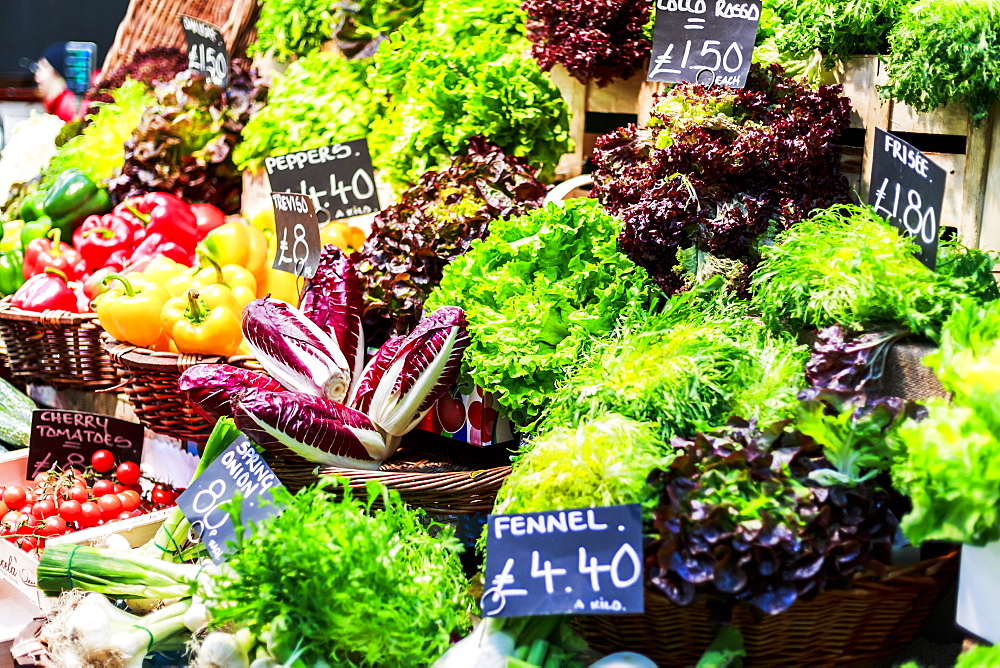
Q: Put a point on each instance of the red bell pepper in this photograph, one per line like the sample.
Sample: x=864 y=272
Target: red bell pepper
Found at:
x=93 y=285
x=46 y=291
x=208 y=216
x=167 y=215
x=42 y=253
x=100 y=236
x=118 y=259
x=157 y=244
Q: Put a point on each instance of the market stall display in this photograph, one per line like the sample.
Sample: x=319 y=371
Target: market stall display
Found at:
x=712 y=336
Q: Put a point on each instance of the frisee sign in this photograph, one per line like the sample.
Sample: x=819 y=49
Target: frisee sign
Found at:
x=238 y=470
x=206 y=50
x=68 y=438
x=908 y=190
x=586 y=561
x=703 y=41
x=339 y=178
x=297 y=232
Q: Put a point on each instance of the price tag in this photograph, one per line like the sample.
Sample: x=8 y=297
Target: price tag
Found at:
x=68 y=438
x=238 y=469
x=586 y=561
x=79 y=67
x=338 y=179
x=297 y=231
x=206 y=50
x=703 y=42
x=908 y=190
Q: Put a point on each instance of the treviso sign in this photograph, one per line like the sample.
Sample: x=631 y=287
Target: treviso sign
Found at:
x=586 y=561
x=908 y=190
x=297 y=232
x=703 y=41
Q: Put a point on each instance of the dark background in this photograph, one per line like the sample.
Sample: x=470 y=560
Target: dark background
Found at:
x=28 y=26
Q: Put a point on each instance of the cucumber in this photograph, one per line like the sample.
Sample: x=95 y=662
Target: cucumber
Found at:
x=15 y=415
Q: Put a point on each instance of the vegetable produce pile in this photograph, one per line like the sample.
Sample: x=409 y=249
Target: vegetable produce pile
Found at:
x=837 y=28
x=436 y=97
x=150 y=66
x=719 y=171
x=184 y=143
x=320 y=100
x=434 y=222
x=599 y=41
x=290 y=28
x=535 y=293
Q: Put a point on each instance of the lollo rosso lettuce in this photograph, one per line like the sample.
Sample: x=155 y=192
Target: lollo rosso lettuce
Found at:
x=718 y=171
x=536 y=293
x=433 y=222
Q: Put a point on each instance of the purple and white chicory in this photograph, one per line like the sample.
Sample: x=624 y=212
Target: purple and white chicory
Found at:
x=294 y=350
x=209 y=388
x=308 y=428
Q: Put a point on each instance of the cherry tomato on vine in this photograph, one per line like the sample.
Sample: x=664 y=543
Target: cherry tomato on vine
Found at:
x=130 y=499
x=164 y=495
x=90 y=514
x=102 y=487
x=53 y=526
x=71 y=510
x=15 y=497
x=110 y=506
x=128 y=473
x=102 y=461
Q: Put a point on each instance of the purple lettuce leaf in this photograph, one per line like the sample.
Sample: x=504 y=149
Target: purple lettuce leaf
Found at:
x=209 y=388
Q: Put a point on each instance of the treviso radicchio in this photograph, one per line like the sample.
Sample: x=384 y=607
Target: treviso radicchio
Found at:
x=423 y=368
x=294 y=350
x=333 y=300
x=209 y=388
x=301 y=427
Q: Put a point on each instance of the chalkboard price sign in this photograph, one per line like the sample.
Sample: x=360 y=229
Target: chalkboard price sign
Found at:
x=908 y=190
x=297 y=233
x=240 y=469
x=206 y=50
x=586 y=561
x=338 y=179
x=68 y=438
x=703 y=42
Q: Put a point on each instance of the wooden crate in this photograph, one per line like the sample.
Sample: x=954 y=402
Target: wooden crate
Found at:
x=18 y=568
x=621 y=96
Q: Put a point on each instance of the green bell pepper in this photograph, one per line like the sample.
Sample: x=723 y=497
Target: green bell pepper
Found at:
x=11 y=276
x=36 y=229
x=31 y=206
x=72 y=198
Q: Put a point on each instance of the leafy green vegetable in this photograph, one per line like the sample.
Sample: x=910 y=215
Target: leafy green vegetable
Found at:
x=461 y=22
x=535 y=293
x=687 y=368
x=979 y=656
x=290 y=28
x=441 y=95
x=838 y=28
x=320 y=100
x=845 y=265
x=602 y=461
x=946 y=51
x=364 y=24
x=100 y=150
x=339 y=582
x=949 y=467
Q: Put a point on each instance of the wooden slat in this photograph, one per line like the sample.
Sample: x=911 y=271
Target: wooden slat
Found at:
x=575 y=95
x=951 y=208
x=621 y=96
x=876 y=115
x=950 y=120
x=989 y=230
x=857 y=76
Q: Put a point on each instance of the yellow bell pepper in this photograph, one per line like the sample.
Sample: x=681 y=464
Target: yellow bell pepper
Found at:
x=240 y=281
x=130 y=311
x=161 y=269
x=237 y=243
x=203 y=324
x=11 y=235
x=281 y=285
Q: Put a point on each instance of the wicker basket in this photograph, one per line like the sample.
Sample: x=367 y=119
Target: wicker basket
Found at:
x=428 y=471
x=55 y=348
x=149 y=380
x=874 y=619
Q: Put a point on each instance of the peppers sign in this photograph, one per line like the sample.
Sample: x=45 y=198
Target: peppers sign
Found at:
x=339 y=179
x=238 y=470
x=68 y=438
x=297 y=232
x=703 y=42
x=586 y=561
x=907 y=189
x=206 y=50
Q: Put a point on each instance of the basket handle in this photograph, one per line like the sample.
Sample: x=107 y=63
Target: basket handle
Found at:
x=558 y=194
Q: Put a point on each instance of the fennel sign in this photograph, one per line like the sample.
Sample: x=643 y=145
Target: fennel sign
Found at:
x=297 y=232
x=206 y=50
x=239 y=470
x=703 y=41
x=907 y=189
x=68 y=438
x=339 y=179
x=586 y=561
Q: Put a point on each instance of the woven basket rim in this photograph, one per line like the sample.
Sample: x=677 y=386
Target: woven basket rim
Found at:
x=420 y=479
x=48 y=317
x=136 y=357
